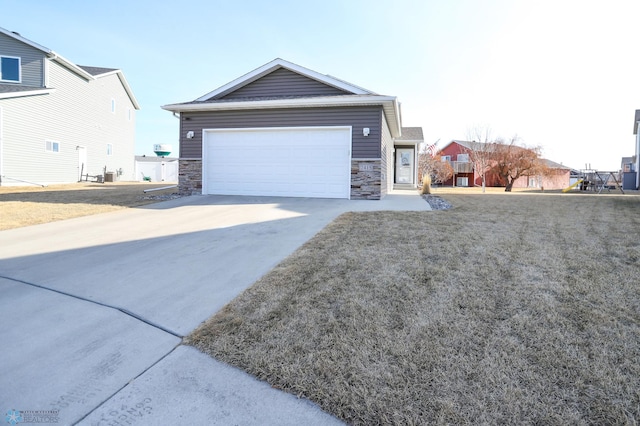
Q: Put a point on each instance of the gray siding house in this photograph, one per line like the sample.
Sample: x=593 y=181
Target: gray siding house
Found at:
x=59 y=120
x=285 y=130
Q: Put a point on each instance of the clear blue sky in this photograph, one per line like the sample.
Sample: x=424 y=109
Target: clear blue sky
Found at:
x=562 y=74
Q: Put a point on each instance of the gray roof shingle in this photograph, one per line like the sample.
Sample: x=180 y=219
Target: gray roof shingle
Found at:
x=97 y=70
x=12 y=88
x=411 y=134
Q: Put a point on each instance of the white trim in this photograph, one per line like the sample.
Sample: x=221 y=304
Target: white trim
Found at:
x=19 y=69
x=70 y=66
x=205 y=156
x=283 y=103
x=126 y=86
x=281 y=63
x=45 y=73
x=26 y=93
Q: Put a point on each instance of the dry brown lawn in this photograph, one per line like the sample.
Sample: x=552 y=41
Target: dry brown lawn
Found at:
x=31 y=205
x=519 y=308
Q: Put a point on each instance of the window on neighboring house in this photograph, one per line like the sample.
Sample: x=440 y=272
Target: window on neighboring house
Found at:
x=113 y=106
x=463 y=158
x=446 y=158
x=129 y=114
x=10 y=69
x=109 y=149
x=52 y=146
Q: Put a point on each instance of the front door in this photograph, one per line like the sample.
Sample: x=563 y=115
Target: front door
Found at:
x=82 y=162
x=404 y=165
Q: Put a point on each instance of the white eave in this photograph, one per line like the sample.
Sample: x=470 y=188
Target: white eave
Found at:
x=281 y=63
x=389 y=105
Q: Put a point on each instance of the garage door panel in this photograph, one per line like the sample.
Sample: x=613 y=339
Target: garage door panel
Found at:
x=304 y=162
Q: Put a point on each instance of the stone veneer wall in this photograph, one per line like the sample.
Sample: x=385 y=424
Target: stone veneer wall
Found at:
x=366 y=179
x=190 y=176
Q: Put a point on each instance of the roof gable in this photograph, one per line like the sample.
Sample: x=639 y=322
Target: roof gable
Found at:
x=282 y=82
x=335 y=93
x=87 y=72
x=277 y=64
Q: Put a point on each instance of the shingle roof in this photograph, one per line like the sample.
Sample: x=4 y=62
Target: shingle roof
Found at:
x=97 y=70
x=466 y=144
x=12 y=88
x=411 y=134
x=554 y=165
x=255 y=98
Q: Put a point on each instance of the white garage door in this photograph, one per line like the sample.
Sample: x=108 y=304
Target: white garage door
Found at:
x=286 y=162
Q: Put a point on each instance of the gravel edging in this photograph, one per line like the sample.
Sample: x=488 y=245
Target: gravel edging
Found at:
x=437 y=203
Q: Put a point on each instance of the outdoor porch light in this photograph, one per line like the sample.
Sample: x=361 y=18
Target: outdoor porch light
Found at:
x=365 y=131
x=190 y=134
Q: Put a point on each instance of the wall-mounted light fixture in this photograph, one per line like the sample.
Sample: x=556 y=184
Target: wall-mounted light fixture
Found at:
x=190 y=134
x=365 y=131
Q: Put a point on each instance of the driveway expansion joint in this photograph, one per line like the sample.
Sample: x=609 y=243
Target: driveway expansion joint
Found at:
x=107 y=399
x=106 y=305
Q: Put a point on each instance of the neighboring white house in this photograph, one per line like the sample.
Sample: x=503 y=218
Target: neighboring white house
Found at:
x=59 y=120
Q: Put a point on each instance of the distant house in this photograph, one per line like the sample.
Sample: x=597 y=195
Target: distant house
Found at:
x=286 y=130
x=59 y=120
x=636 y=122
x=558 y=177
x=465 y=173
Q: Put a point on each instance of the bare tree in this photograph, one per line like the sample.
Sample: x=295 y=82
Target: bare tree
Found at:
x=481 y=150
x=433 y=166
x=511 y=161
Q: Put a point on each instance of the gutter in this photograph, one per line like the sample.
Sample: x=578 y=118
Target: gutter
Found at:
x=389 y=104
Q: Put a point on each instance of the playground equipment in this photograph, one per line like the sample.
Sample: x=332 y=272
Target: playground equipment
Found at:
x=572 y=186
x=596 y=180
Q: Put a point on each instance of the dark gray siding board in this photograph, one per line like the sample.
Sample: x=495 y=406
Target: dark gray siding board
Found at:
x=31 y=60
x=357 y=117
x=283 y=82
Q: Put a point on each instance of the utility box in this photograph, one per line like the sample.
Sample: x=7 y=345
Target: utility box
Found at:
x=110 y=176
x=629 y=180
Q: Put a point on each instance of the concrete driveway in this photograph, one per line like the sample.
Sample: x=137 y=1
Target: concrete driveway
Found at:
x=95 y=308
